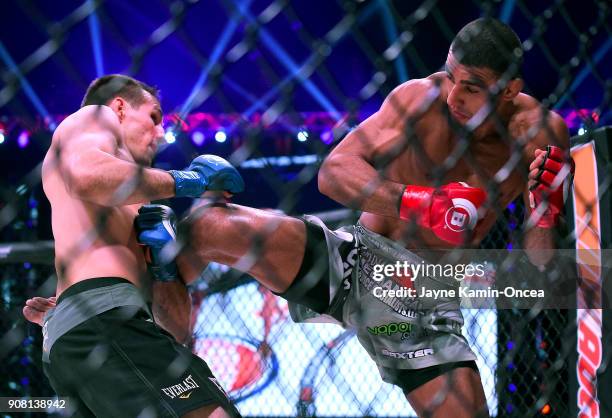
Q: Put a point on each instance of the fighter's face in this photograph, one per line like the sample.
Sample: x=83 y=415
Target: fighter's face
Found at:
x=468 y=88
x=142 y=129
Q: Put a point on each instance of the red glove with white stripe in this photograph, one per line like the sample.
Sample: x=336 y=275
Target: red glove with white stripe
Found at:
x=550 y=175
x=450 y=211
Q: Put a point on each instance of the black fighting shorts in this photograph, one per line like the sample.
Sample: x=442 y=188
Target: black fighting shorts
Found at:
x=103 y=350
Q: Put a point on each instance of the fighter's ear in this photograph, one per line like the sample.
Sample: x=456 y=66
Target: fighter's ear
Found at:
x=512 y=89
x=118 y=104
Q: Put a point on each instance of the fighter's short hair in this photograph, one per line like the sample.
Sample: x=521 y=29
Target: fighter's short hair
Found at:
x=103 y=89
x=489 y=43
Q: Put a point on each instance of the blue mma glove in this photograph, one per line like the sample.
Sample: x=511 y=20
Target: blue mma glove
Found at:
x=156 y=231
x=207 y=172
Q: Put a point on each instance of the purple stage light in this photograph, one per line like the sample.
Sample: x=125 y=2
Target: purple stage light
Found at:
x=327 y=137
x=23 y=139
x=198 y=138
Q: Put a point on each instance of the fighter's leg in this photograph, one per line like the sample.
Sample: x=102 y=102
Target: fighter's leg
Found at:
x=267 y=245
x=457 y=393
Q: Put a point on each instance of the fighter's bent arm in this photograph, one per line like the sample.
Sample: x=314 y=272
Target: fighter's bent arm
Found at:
x=87 y=153
x=349 y=174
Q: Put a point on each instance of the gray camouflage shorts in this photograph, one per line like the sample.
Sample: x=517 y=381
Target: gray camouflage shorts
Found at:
x=397 y=332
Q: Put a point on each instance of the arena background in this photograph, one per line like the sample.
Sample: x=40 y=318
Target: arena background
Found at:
x=273 y=85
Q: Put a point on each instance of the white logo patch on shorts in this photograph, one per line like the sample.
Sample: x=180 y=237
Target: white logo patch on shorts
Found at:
x=408 y=355
x=182 y=390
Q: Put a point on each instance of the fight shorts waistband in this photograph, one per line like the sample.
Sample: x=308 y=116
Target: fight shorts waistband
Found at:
x=86 y=299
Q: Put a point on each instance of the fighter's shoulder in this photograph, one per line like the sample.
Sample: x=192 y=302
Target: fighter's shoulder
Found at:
x=88 y=119
x=93 y=117
x=536 y=125
x=415 y=89
x=414 y=95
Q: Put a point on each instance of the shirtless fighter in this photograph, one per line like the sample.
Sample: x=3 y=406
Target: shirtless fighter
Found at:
x=404 y=168
x=101 y=346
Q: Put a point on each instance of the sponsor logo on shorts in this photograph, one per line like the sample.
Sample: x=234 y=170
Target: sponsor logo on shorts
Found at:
x=406 y=329
x=408 y=355
x=390 y=329
x=402 y=306
x=182 y=390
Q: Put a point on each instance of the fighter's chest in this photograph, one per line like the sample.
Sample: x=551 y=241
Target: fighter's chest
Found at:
x=491 y=165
